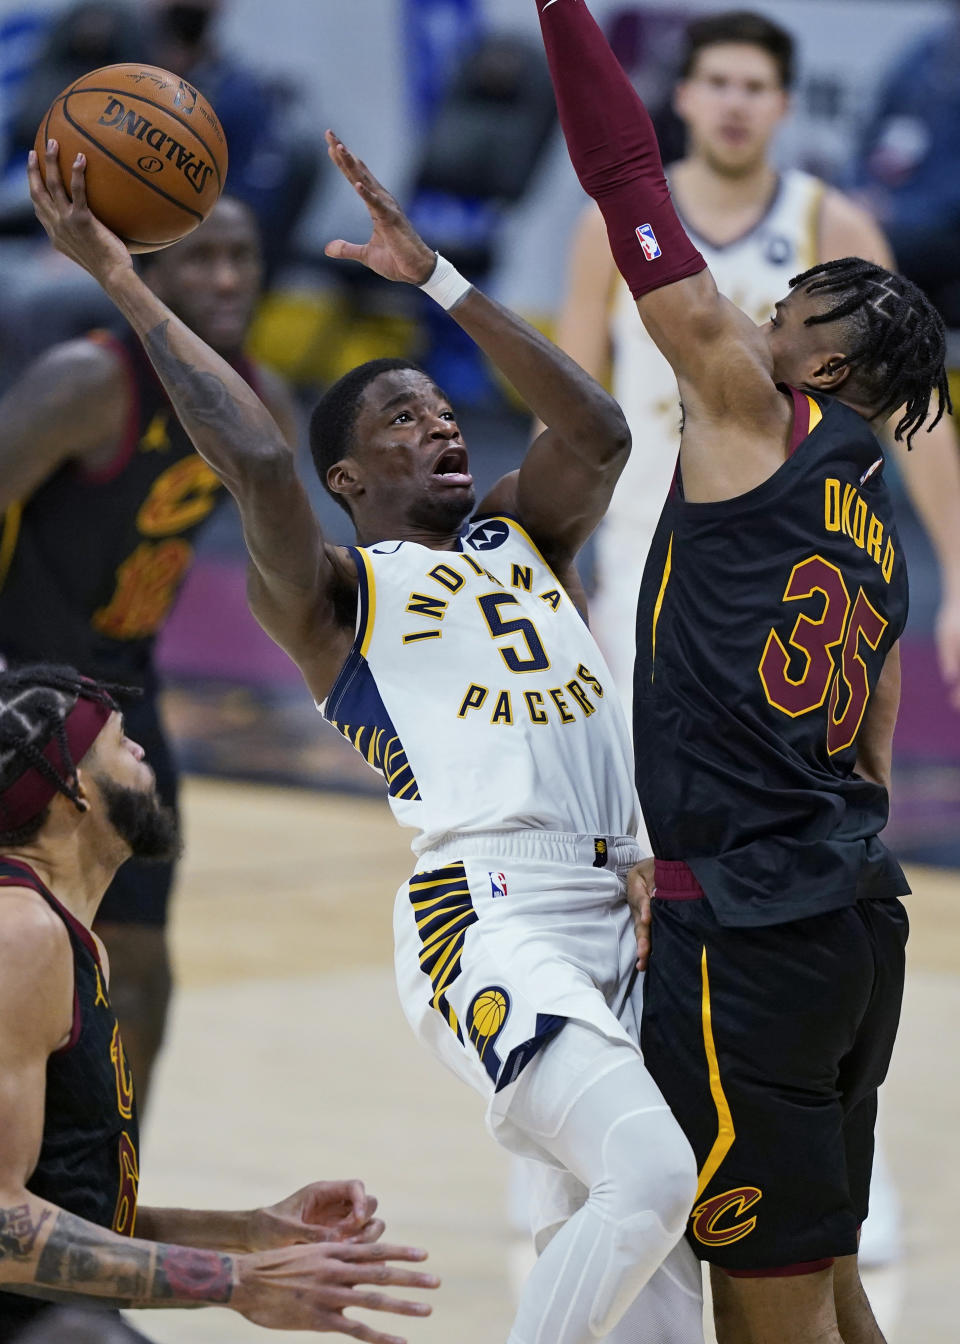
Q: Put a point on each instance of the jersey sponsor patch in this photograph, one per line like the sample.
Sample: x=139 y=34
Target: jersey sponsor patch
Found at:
x=489 y=535
x=498 y=884
x=648 y=241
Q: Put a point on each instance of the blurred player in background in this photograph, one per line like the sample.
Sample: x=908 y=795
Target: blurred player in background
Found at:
x=756 y=227
x=452 y=652
x=77 y=799
x=102 y=498
x=766 y=690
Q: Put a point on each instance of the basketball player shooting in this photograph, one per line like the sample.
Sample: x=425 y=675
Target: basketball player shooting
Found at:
x=449 y=647
x=766 y=690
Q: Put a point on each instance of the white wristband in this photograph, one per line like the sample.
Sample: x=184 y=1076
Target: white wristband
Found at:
x=446 y=285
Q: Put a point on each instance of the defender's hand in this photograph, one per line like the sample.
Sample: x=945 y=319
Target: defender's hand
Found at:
x=70 y=225
x=324 y=1211
x=395 y=250
x=310 y=1287
x=639 y=894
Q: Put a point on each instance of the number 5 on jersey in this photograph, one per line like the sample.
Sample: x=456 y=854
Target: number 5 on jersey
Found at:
x=536 y=660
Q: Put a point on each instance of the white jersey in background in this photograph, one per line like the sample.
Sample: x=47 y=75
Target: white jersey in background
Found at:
x=753 y=271
x=477 y=691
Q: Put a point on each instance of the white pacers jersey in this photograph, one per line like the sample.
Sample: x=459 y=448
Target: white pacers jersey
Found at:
x=475 y=688
x=754 y=272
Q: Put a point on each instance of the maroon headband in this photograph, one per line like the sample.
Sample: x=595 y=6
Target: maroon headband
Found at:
x=31 y=793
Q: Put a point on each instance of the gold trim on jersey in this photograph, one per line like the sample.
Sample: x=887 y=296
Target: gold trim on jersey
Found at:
x=668 y=566
x=725 y=1130
x=9 y=538
x=371 y=607
x=512 y=522
x=816 y=414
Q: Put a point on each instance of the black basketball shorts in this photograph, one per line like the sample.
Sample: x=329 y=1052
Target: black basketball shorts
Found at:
x=769 y=1045
x=140 y=892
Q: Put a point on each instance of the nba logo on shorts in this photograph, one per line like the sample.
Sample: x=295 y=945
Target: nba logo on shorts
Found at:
x=498 y=884
x=648 y=241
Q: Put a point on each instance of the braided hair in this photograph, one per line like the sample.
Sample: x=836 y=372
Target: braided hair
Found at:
x=898 y=338
x=35 y=702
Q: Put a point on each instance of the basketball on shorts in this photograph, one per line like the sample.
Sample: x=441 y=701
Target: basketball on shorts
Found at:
x=156 y=153
x=489 y=1010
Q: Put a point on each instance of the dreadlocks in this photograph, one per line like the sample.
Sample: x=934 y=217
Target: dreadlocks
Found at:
x=898 y=338
x=35 y=703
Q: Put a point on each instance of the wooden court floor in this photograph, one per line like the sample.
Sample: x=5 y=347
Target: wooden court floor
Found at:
x=288 y=1060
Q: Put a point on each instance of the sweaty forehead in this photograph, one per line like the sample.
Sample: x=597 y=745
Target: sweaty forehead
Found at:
x=399 y=383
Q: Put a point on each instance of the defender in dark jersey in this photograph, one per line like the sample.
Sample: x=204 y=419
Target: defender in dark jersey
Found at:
x=76 y=800
x=104 y=497
x=767 y=683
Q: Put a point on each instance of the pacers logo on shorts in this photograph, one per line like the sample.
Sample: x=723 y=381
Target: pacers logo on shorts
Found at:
x=720 y=1221
x=485 y=1018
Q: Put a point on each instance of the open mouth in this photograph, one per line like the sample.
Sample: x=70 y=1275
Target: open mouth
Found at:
x=451 y=467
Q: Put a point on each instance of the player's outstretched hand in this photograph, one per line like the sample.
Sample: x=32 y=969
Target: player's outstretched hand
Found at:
x=70 y=225
x=323 y=1211
x=395 y=250
x=639 y=894
x=310 y=1287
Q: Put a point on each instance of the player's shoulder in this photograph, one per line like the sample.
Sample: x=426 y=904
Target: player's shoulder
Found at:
x=87 y=366
x=34 y=942
x=848 y=229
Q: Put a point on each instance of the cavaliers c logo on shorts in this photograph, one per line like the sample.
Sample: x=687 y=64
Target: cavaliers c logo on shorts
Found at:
x=720 y=1221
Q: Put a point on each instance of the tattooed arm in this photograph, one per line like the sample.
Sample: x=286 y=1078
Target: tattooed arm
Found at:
x=302 y=589
x=48 y=1252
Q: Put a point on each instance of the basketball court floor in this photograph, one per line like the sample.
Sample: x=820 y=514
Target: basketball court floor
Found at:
x=288 y=1060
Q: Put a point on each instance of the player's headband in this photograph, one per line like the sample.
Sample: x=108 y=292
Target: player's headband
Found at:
x=34 y=789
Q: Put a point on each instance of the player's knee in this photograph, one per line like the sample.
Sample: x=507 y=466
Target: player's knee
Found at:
x=652 y=1169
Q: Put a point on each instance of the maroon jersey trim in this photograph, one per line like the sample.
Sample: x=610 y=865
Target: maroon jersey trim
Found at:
x=101 y=475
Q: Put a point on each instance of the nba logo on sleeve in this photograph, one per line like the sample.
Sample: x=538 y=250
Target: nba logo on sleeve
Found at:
x=648 y=241
x=498 y=884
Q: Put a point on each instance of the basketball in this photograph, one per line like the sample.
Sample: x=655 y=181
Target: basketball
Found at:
x=489 y=1010
x=156 y=153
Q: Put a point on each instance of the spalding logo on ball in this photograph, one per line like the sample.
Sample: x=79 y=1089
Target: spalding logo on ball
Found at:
x=156 y=153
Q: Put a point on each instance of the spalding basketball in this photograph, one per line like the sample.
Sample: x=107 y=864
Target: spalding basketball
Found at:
x=156 y=153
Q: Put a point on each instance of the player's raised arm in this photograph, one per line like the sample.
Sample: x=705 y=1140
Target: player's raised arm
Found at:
x=296 y=577
x=565 y=483
x=721 y=360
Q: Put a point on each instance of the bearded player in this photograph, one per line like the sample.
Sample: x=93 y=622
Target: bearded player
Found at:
x=77 y=800
x=452 y=653
x=765 y=695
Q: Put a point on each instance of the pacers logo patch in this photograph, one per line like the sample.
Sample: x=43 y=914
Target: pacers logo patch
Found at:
x=486 y=1016
x=599 y=852
x=720 y=1221
x=648 y=241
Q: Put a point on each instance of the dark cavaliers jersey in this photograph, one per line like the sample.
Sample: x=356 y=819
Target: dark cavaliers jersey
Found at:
x=91 y=563
x=88 y=1161
x=762 y=628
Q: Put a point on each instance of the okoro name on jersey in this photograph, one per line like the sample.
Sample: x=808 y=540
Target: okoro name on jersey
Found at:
x=475 y=688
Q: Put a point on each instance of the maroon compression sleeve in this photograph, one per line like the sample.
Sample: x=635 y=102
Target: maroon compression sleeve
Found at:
x=613 y=149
